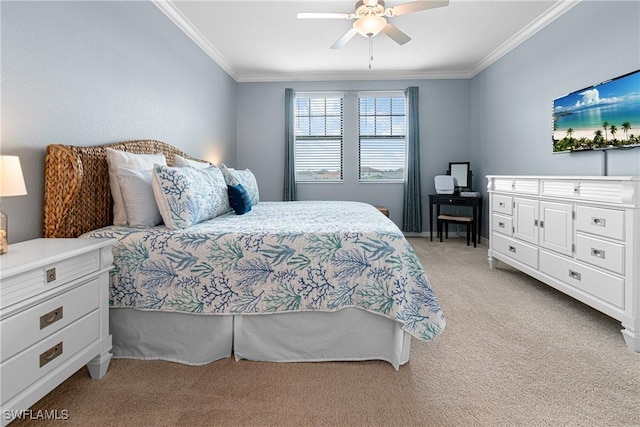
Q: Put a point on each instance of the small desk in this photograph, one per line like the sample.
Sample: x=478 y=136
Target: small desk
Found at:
x=452 y=200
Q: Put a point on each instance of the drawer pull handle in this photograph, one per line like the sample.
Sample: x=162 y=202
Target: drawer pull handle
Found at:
x=575 y=275
x=51 y=354
x=512 y=249
x=597 y=253
x=601 y=222
x=501 y=224
x=51 y=275
x=51 y=317
x=501 y=204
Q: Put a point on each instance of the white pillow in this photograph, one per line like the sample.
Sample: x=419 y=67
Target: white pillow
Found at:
x=137 y=196
x=181 y=161
x=116 y=159
x=246 y=178
x=187 y=196
x=229 y=177
x=249 y=182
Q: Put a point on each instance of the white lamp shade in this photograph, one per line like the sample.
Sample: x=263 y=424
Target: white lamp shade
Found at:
x=11 y=179
x=369 y=25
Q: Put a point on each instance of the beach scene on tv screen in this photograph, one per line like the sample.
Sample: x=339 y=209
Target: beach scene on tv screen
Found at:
x=603 y=116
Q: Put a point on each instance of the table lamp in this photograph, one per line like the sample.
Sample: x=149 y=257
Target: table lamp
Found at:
x=11 y=184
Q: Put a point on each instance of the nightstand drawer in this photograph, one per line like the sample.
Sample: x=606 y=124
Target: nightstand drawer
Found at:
x=600 y=253
x=515 y=249
x=596 y=283
x=32 y=325
x=34 y=363
x=602 y=222
x=21 y=286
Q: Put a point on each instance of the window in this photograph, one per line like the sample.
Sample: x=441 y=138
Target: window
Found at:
x=382 y=135
x=318 y=137
x=379 y=124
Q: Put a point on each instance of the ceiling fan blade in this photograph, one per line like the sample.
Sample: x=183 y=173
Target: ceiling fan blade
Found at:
x=395 y=34
x=344 y=39
x=416 y=6
x=323 y=15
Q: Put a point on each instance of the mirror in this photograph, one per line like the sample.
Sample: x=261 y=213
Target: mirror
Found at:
x=461 y=171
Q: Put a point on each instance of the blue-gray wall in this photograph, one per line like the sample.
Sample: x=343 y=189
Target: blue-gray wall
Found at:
x=511 y=101
x=86 y=73
x=444 y=132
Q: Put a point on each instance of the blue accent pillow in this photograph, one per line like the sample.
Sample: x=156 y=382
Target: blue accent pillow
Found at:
x=244 y=177
x=239 y=199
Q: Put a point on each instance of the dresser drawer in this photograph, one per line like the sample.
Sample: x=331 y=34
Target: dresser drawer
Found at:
x=559 y=188
x=515 y=249
x=34 y=363
x=502 y=204
x=21 y=286
x=601 y=222
x=502 y=224
x=32 y=325
x=600 y=253
x=596 y=283
x=516 y=185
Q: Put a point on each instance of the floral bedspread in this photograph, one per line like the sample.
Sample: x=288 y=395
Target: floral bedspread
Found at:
x=279 y=257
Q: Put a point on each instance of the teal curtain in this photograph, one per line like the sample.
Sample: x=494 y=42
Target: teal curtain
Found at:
x=290 y=190
x=412 y=197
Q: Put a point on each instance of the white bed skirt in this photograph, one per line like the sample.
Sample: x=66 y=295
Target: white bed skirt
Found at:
x=348 y=334
x=175 y=337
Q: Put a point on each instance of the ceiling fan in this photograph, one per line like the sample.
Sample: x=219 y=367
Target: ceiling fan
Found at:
x=370 y=19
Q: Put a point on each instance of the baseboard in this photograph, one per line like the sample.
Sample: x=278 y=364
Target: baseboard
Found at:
x=414 y=234
x=425 y=234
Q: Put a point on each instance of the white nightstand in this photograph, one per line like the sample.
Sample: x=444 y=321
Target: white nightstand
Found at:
x=54 y=317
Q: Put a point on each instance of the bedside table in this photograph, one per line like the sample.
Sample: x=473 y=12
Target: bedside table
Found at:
x=383 y=210
x=54 y=317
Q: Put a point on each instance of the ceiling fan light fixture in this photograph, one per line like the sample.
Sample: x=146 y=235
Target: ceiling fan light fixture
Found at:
x=369 y=25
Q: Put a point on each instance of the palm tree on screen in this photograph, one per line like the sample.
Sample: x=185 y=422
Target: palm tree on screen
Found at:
x=597 y=139
x=613 y=130
x=625 y=127
x=605 y=125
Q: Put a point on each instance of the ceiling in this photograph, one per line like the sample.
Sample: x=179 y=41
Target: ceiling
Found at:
x=262 y=40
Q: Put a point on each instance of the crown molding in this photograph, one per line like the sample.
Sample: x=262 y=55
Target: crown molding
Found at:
x=173 y=13
x=538 y=24
x=167 y=7
x=352 y=75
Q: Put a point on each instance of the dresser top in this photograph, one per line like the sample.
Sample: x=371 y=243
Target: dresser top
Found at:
x=37 y=253
x=569 y=177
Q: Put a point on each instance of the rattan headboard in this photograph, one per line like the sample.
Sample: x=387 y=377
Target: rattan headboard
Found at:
x=77 y=197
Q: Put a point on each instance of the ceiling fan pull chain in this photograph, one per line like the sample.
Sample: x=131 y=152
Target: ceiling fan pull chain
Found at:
x=370 y=51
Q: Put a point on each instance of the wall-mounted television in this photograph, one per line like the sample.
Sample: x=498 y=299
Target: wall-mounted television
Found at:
x=599 y=117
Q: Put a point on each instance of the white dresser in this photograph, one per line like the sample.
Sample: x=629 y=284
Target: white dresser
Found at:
x=54 y=317
x=579 y=234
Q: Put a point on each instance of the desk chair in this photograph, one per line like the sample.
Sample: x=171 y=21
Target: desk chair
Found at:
x=445 y=220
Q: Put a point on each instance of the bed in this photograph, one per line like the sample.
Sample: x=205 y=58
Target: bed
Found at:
x=287 y=281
